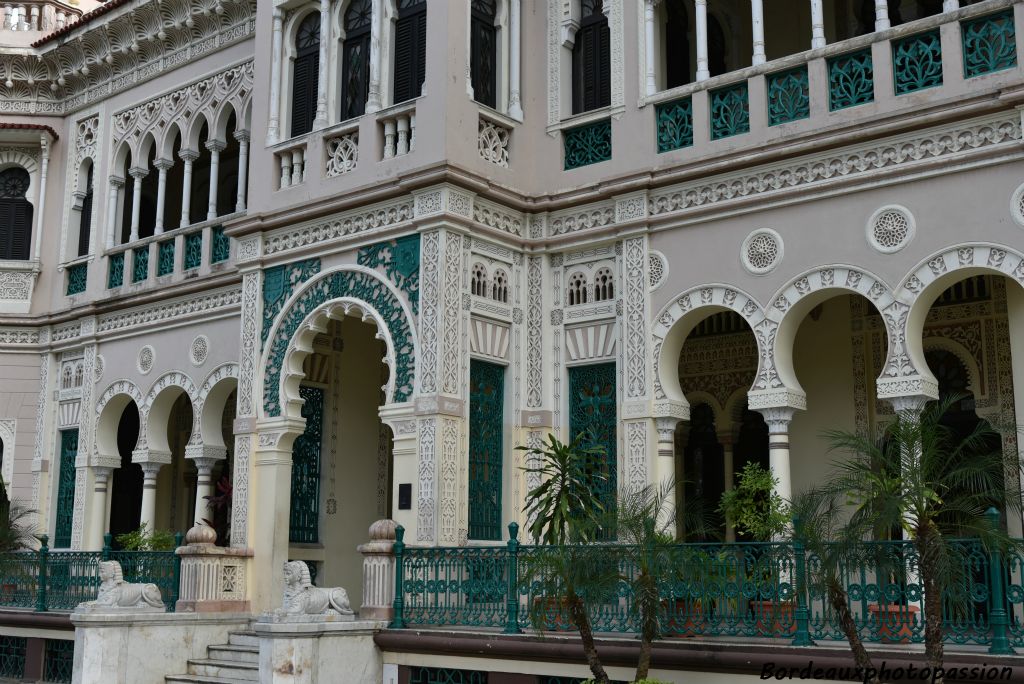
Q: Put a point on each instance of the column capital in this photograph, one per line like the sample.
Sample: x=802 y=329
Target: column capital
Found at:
x=243 y=136
x=777 y=418
x=216 y=145
x=163 y=164
x=147 y=456
x=188 y=155
x=200 y=451
x=117 y=181
x=151 y=469
x=138 y=173
x=911 y=403
x=102 y=473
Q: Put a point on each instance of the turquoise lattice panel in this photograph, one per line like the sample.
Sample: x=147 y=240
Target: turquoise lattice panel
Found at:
x=165 y=258
x=220 y=247
x=675 y=124
x=193 y=256
x=77 y=278
x=589 y=144
x=486 y=441
x=850 y=80
x=730 y=111
x=115 y=272
x=304 y=517
x=917 y=62
x=65 y=489
x=592 y=412
x=789 y=97
x=444 y=675
x=989 y=44
x=140 y=264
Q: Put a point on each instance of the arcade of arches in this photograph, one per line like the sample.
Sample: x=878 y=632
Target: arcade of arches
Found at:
x=839 y=351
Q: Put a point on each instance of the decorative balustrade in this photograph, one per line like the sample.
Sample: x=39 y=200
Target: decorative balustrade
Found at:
x=399 y=127
x=291 y=158
x=47 y=580
x=773 y=590
x=989 y=43
x=675 y=124
x=789 y=97
x=37 y=16
x=730 y=111
x=179 y=252
x=917 y=62
x=342 y=147
x=493 y=137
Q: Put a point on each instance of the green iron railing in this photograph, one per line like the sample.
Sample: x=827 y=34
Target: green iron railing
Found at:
x=730 y=111
x=789 y=96
x=77 y=278
x=588 y=144
x=12 y=656
x=745 y=590
x=140 y=264
x=115 y=273
x=675 y=124
x=989 y=43
x=58 y=660
x=193 y=251
x=220 y=245
x=46 y=580
x=850 y=80
x=917 y=62
x=165 y=258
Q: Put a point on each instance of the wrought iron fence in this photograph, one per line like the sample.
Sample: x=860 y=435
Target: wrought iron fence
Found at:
x=47 y=580
x=746 y=590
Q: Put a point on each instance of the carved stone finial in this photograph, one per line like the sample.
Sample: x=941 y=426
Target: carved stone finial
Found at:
x=117 y=596
x=304 y=601
x=383 y=530
x=201 y=533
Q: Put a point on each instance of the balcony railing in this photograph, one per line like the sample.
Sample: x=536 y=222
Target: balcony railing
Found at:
x=747 y=590
x=181 y=252
x=59 y=580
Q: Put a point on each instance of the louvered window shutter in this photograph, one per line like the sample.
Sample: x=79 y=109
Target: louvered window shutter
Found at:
x=355 y=67
x=410 y=50
x=591 y=72
x=85 y=224
x=15 y=214
x=21 y=229
x=6 y=226
x=306 y=75
x=483 y=53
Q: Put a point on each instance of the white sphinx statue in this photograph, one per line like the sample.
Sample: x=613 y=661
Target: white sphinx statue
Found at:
x=303 y=600
x=116 y=595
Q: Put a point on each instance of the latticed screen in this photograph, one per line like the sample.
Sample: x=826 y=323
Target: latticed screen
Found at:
x=304 y=520
x=66 y=489
x=444 y=675
x=12 y=656
x=592 y=402
x=58 y=660
x=486 y=416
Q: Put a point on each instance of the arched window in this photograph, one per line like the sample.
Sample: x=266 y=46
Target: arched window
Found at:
x=677 y=44
x=85 y=215
x=577 y=289
x=604 y=288
x=483 y=50
x=15 y=214
x=355 y=59
x=499 y=289
x=305 y=74
x=410 y=49
x=591 y=61
x=478 y=281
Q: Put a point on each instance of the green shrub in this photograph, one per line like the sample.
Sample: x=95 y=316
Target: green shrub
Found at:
x=144 y=540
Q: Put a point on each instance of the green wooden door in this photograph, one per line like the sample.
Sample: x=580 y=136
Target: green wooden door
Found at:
x=304 y=518
x=592 y=411
x=486 y=438
x=66 y=489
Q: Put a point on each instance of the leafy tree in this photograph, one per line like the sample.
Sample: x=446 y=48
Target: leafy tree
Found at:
x=935 y=485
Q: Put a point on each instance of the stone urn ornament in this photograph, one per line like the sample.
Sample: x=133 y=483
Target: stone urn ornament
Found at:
x=306 y=603
x=117 y=596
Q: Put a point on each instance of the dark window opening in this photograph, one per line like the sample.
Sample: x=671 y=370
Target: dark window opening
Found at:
x=305 y=75
x=483 y=49
x=85 y=215
x=410 y=49
x=677 y=45
x=591 y=60
x=355 y=67
x=15 y=214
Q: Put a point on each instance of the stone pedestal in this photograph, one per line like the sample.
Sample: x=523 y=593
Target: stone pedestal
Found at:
x=379 y=572
x=310 y=652
x=212 y=577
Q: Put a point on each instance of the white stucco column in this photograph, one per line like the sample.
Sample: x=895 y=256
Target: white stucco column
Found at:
x=373 y=95
x=274 y=121
x=757 y=29
x=817 y=24
x=187 y=157
x=204 y=485
x=778 y=419
x=665 y=464
x=725 y=439
x=515 y=106
x=116 y=183
x=98 y=508
x=881 y=15
x=162 y=166
x=150 y=470
x=215 y=147
x=651 y=85
x=243 y=168
x=40 y=213
x=701 y=7
x=325 y=40
x=137 y=174
x=950 y=5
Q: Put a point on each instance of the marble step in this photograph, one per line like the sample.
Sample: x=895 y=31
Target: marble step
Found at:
x=243 y=654
x=208 y=667
x=202 y=679
x=243 y=639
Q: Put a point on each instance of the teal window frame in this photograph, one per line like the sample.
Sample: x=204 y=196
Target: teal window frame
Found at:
x=593 y=402
x=220 y=245
x=140 y=264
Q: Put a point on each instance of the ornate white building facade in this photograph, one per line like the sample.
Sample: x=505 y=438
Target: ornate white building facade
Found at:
x=342 y=257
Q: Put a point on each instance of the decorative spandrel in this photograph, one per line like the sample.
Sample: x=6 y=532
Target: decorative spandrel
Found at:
x=278 y=284
x=65 y=504
x=917 y=62
x=989 y=44
x=400 y=260
x=486 y=441
x=360 y=286
x=789 y=97
x=588 y=144
x=851 y=80
x=730 y=111
x=304 y=517
x=675 y=124
x=592 y=412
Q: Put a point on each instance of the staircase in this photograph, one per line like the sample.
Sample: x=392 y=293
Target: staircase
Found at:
x=231 y=663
